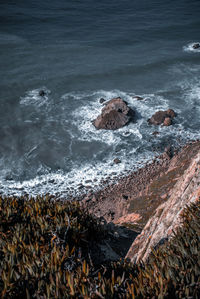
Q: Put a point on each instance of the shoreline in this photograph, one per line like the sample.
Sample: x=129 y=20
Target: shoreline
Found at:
x=125 y=207
x=132 y=200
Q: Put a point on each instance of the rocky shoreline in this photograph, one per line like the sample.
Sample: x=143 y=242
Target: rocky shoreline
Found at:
x=133 y=200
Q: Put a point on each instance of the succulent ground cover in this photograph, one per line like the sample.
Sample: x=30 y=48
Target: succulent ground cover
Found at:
x=45 y=248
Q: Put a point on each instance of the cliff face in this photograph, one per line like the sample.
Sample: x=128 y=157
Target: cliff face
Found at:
x=133 y=199
x=167 y=216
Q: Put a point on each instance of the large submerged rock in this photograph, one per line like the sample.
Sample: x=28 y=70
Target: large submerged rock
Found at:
x=114 y=115
x=162 y=118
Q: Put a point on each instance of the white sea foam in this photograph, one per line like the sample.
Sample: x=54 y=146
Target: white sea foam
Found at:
x=131 y=144
x=189 y=48
x=191 y=92
x=88 y=175
x=33 y=98
x=194 y=94
x=83 y=116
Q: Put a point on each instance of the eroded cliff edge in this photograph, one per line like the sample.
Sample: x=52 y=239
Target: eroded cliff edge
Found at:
x=167 y=216
x=133 y=199
x=150 y=200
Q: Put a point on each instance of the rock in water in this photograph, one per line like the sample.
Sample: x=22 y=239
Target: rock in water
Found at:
x=114 y=115
x=102 y=100
x=138 y=98
x=42 y=93
x=162 y=117
x=155 y=133
x=117 y=161
x=196 y=46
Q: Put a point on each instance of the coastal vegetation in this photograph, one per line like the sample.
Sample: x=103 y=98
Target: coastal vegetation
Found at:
x=45 y=252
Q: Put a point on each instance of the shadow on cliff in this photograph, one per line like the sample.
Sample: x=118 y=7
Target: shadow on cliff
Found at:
x=114 y=245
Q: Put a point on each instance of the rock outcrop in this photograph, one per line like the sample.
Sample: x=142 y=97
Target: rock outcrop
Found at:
x=114 y=115
x=140 y=192
x=162 y=118
x=167 y=216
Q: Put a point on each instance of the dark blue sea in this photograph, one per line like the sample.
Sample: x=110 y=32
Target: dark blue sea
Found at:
x=78 y=52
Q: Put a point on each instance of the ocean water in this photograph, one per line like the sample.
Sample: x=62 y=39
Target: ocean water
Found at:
x=80 y=51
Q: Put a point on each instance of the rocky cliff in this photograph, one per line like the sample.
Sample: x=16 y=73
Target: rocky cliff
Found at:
x=133 y=199
x=167 y=218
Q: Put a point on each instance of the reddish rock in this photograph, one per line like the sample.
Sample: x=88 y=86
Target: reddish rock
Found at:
x=171 y=113
x=111 y=121
x=129 y=218
x=167 y=121
x=159 y=117
x=166 y=219
x=114 y=115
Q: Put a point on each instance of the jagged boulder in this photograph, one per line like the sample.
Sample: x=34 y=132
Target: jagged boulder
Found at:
x=162 y=118
x=114 y=115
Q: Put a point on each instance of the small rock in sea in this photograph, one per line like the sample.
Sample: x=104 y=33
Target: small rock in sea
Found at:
x=155 y=133
x=117 y=161
x=80 y=187
x=196 y=46
x=9 y=178
x=102 y=100
x=88 y=181
x=159 y=117
x=42 y=93
x=51 y=181
x=126 y=133
x=138 y=98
